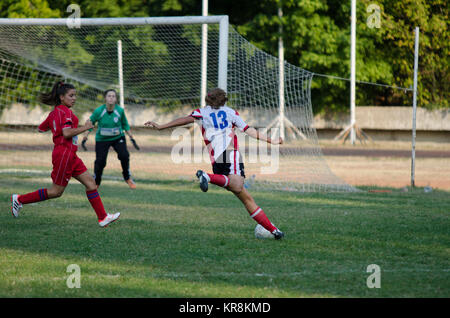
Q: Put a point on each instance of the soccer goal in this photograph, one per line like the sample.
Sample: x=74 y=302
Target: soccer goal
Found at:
x=161 y=68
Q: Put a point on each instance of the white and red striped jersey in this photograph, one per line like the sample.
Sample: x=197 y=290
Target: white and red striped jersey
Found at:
x=218 y=128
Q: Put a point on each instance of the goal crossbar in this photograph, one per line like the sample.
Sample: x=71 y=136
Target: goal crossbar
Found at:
x=117 y=21
x=222 y=20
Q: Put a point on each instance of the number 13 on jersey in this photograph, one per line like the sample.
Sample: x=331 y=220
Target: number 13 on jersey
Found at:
x=223 y=119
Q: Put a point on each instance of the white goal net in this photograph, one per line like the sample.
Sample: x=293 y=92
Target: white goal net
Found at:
x=162 y=69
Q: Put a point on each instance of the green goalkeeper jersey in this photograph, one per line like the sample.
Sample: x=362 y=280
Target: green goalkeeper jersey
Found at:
x=111 y=125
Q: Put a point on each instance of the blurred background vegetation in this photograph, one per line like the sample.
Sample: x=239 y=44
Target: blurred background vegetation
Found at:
x=316 y=37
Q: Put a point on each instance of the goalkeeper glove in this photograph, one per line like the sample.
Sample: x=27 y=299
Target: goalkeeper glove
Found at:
x=83 y=144
x=135 y=144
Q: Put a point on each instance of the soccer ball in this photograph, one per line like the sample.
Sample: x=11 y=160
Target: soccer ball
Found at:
x=262 y=233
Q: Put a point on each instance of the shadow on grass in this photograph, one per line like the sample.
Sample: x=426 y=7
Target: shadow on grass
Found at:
x=206 y=240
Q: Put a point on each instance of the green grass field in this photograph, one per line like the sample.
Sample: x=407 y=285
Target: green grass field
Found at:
x=173 y=240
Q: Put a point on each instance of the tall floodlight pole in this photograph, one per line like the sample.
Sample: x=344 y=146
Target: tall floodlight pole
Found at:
x=120 y=67
x=281 y=121
x=352 y=130
x=204 y=62
x=281 y=73
x=352 y=73
x=416 y=65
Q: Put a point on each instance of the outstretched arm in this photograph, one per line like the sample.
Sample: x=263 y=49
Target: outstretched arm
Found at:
x=174 y=123
x=93 y=119
x=252 y=132
x=70 y=132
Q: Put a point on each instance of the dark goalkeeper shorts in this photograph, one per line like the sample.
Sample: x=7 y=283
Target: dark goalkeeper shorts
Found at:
x=229 y=162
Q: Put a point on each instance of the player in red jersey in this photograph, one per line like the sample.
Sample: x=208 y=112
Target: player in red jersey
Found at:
x=218 y=123
x=66 y=164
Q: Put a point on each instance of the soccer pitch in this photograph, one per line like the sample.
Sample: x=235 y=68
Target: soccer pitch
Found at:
x=173 y=240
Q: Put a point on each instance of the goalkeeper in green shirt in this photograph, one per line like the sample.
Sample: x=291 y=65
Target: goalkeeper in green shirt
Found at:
x=112 y=123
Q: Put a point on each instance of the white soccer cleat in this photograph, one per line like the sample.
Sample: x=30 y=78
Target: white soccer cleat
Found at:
x=15 y=205
x=109 y=219
x=204 y=179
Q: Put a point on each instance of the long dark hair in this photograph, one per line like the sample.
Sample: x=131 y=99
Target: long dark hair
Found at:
x=52 y=98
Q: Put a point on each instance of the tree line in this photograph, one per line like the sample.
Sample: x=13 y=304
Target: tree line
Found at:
x=316 y=36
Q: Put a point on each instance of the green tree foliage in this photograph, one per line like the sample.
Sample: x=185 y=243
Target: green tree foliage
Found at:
x=86 y=46
x=399 y=21
x=316 y=35
x=27 y=9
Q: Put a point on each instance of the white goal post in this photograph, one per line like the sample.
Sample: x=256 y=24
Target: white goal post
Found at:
x=222 y=20
x=158 y=66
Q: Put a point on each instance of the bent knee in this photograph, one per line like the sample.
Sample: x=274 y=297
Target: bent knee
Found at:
x=236 y=185
x=123 y=155
x=91 y=186
x=55 y=193
x=99 y=166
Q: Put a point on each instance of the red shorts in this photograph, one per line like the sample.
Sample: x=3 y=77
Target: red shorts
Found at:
x=66 y=164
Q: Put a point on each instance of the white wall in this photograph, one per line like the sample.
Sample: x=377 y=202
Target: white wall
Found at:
x=367 y=117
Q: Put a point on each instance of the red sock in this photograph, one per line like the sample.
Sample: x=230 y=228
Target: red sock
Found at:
x=219 y=179
x=259 y=216
x=96 y=202
x=36 y=196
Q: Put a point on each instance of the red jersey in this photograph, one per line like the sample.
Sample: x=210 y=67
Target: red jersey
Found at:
x=59 y=119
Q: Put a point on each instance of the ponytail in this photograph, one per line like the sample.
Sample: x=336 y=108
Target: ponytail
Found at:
x=52 y=98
